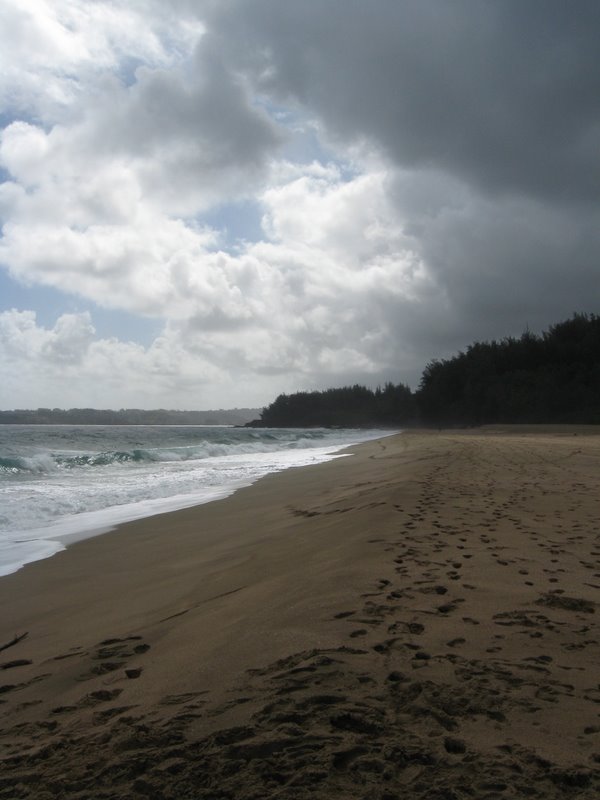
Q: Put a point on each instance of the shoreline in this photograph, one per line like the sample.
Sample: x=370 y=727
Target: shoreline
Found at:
x=416 y=618
x=23 y=545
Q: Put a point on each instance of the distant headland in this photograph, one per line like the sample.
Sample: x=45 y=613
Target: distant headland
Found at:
x=126 y=416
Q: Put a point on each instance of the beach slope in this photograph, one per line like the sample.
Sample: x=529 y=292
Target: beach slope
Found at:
x=416 y=620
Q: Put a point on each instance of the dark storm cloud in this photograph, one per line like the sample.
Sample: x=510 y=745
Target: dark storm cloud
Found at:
x=488 y=113
x=505 y=95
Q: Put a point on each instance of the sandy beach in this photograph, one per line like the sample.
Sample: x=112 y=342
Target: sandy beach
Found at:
x=416 y=620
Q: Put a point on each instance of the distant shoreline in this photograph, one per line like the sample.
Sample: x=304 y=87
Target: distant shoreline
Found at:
x=127 y=416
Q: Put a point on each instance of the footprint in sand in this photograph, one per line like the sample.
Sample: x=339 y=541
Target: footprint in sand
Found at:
x=456 y=642
x=113 y=654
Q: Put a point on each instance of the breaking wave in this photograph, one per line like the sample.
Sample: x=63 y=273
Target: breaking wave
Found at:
x=59 y=481
x=264 y=442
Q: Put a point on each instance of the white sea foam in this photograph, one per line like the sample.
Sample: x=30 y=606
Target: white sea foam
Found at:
x=60 y=484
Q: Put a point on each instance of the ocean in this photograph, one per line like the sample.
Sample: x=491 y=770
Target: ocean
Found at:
x=63 y=483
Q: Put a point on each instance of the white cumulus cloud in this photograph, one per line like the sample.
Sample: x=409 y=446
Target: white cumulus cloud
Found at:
x=404 y=190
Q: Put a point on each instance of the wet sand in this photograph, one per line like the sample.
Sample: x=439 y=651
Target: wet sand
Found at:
x=417 y=620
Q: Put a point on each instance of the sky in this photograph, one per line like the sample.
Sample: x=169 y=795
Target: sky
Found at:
x=206 y=203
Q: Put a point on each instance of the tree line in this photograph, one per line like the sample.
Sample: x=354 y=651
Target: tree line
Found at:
x=126 y=416
x=550 y=378
x=346 y=407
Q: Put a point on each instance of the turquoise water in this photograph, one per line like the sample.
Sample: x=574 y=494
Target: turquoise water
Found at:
x=59 y=483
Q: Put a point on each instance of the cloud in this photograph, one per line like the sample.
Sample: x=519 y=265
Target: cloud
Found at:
x=69 y=340
x=68 y=365
x=505 y=96
x=425 y=174
x=285 y=313
x=174 y=141
x=55 y=51
x=485 y=118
